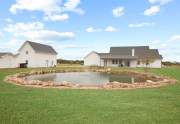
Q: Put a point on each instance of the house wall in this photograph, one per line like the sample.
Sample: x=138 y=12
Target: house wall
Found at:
x=155 y=64
x=7 y=61
x=110 y=64
x=132 y=63
x=44 y=60
x=36 y=59
x=92 y=59
x=30 y=57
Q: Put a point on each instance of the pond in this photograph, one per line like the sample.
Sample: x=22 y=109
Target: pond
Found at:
x=85 y=78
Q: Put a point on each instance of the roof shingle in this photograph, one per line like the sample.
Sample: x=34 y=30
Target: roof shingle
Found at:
x=42 y=48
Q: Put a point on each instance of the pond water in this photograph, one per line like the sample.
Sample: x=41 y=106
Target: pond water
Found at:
x=86 y=78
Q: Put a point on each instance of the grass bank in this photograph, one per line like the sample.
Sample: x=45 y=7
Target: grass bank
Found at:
x=23 y=105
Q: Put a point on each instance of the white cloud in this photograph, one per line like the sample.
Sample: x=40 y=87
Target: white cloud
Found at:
x=169 y=50
x=70 y=46
x=21 y=27
x=8 y=20
x=161 y=2
x=110 y=29
x=53 y=10
x=175 y=38
x=72 y=5
x=1 y=35
x=139 y=25
x=36 y=31
x=46 y=35
x=46 y=6
x=153 y=10
x=56 y=17
x=92 y=29
x=119 y=11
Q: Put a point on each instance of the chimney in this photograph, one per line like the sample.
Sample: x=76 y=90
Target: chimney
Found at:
x=133 y=51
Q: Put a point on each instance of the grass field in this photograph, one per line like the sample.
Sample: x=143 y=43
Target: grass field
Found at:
x=22 y=105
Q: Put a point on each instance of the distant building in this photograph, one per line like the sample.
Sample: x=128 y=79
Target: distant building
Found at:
x=30 y=54
x=134 y=56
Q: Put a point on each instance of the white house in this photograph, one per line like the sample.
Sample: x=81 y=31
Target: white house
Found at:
x=30 y=54
x=134 y=56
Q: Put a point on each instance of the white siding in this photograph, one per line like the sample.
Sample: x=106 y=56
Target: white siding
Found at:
x=30 y=57
x=92 y=59
x=133 y=63
x=44 y=60
x=155 y=64
x=27 y=53
x=36 y=59
x=7 y=61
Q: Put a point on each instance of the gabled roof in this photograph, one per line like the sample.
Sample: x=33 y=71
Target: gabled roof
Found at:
x=140 y=52
x=40 y=48
x=5 y=53
x=116 y=56
x=128 y=50
x=151 y=53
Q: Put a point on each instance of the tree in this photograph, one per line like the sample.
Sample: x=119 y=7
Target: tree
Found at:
x=147 y=60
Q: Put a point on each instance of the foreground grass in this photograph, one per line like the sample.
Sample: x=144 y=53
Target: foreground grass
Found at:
x=22 y=105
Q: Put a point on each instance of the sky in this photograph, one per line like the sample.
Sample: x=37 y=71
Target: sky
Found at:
x=76 y=27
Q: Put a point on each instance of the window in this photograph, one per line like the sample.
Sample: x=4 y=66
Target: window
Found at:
x=52 y=63
x=27 y=52
x=26 y=61
x=114 y=61
x=139 y=62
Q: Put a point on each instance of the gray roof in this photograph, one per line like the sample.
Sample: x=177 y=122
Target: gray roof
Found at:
x=5 y=53
x=116 y=56
x=42 y=48
x=141 y=52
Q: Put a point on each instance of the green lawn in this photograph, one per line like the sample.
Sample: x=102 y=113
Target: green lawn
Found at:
x=22 y=105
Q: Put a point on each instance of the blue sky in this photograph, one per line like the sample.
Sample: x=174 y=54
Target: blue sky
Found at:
x=76 y=27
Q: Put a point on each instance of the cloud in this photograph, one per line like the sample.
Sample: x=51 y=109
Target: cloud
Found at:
x=36 y=31
x=72 y=5
x=107 y=29
x=8 y=20
x=46 y=35
x=70 y=46
x=169 y=50
x=53 y=10
x=35 y=5
x=175 y=38
x=153 y=10
x=1 y=35
x=92 y=29
x=110 y=29
x=11 y=45
x=21 y=27
x=139 y=25
x=57 y=17
x=119 y=11
x=161 y=2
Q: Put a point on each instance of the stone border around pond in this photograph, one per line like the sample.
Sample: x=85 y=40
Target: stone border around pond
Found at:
x=19 y=80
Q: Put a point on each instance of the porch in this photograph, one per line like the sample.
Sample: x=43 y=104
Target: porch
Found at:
x=118 y=62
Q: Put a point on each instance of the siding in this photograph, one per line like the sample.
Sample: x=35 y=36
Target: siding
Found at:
x=7 y=61
x=92 y=59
